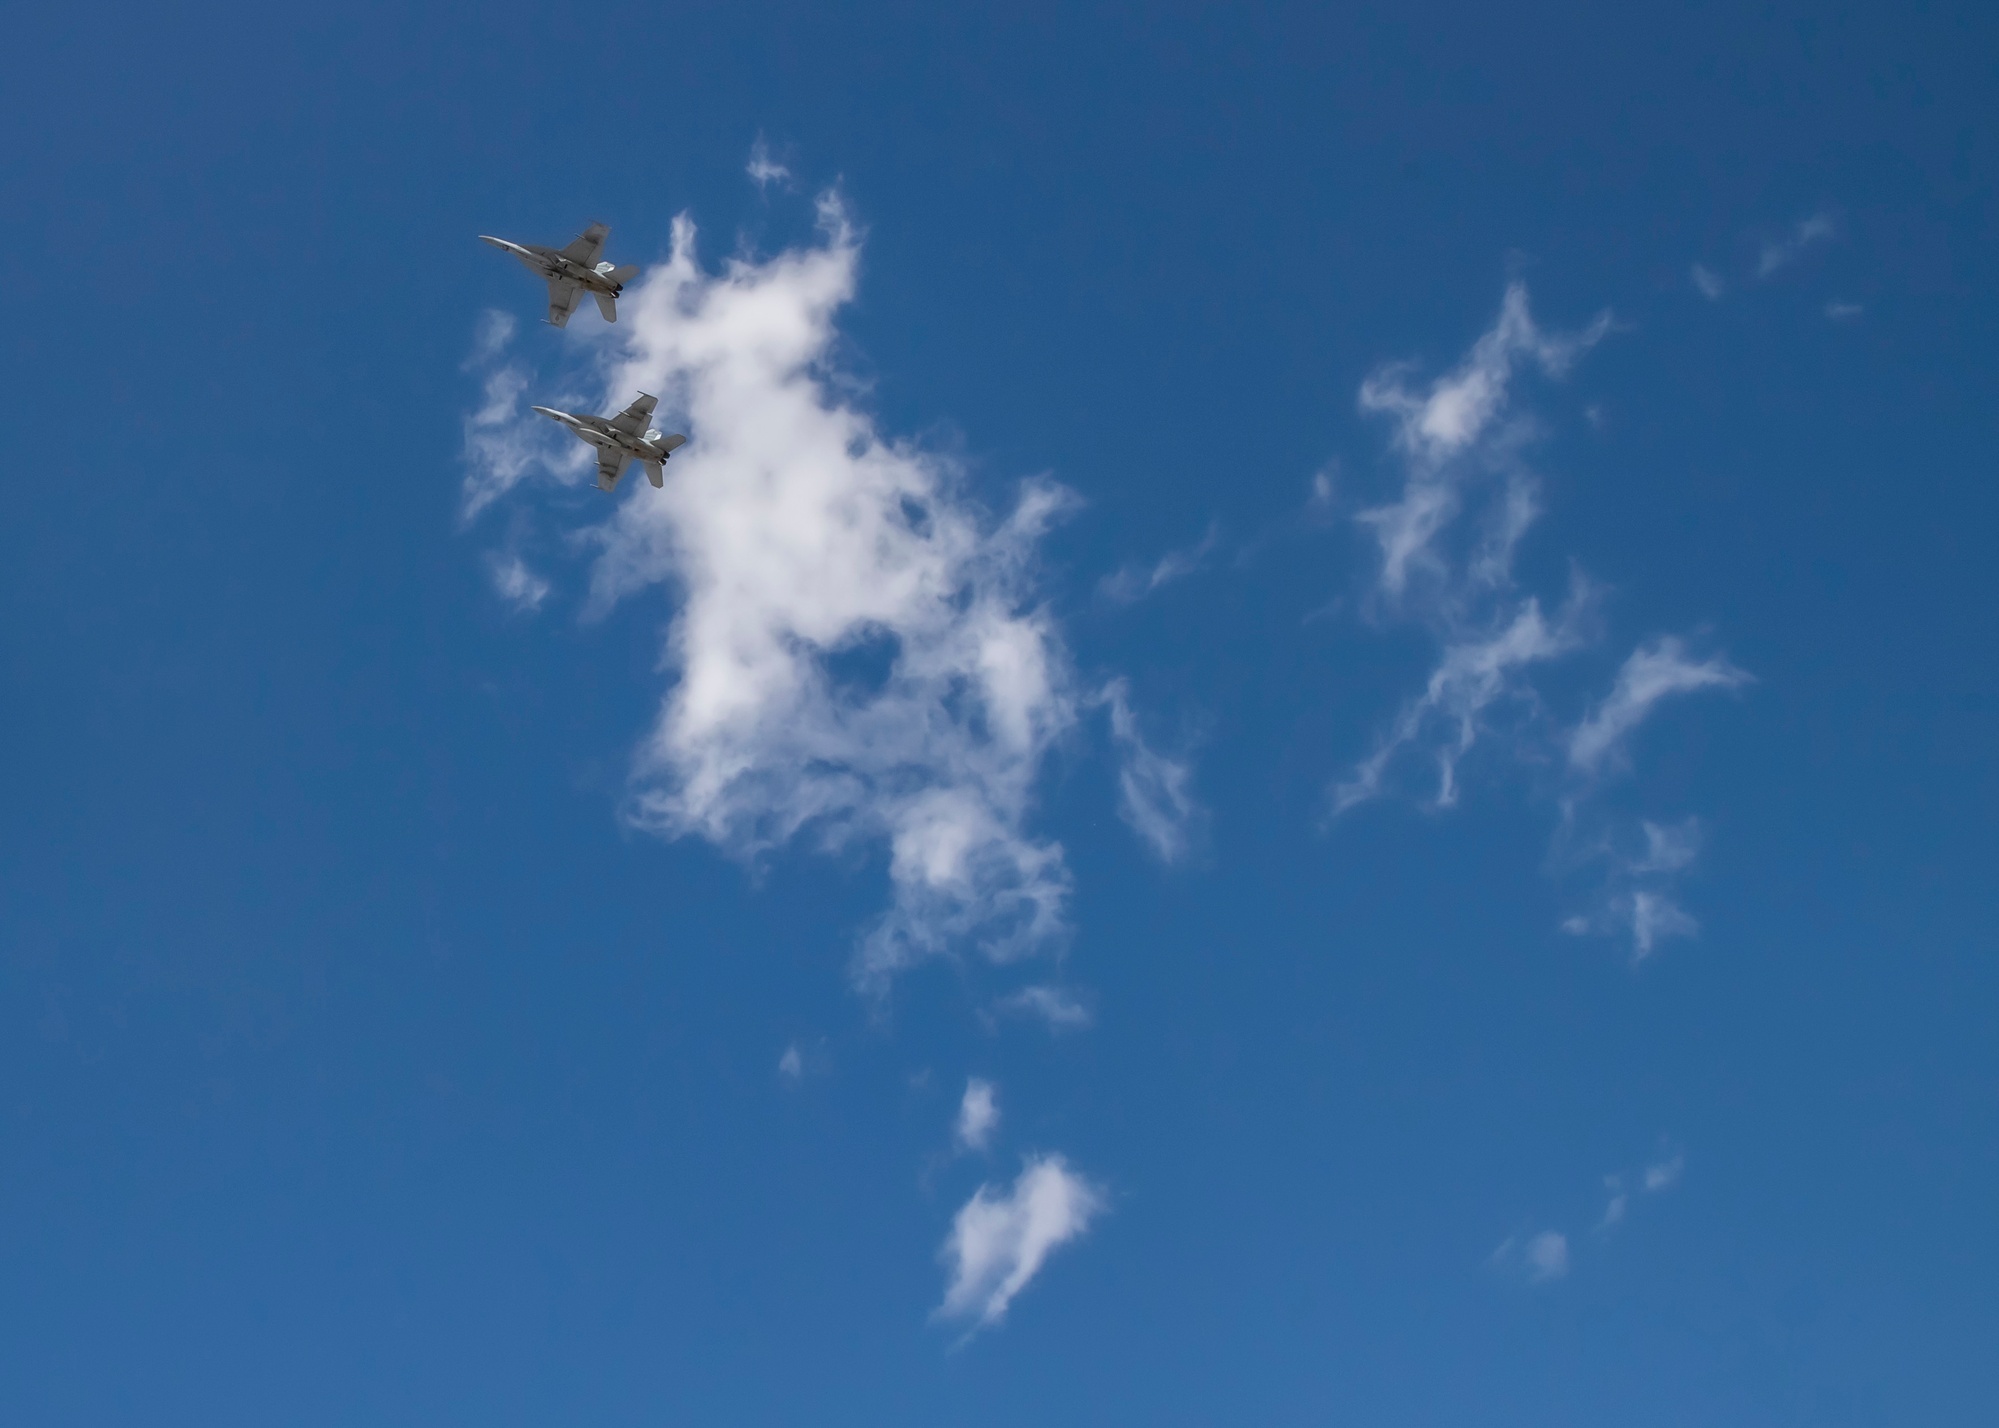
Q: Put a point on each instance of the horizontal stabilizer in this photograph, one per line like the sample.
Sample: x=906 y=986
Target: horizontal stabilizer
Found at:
x=656 y=474
x=623 y=275
x=607 y=305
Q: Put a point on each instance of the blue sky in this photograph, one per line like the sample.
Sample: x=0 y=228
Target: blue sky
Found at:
x=1307 y=737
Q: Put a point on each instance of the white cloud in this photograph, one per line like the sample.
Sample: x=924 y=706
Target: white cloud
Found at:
x=1547 y=1256
x=1665 y=1174
x=978 y=1115
x=791 y=1065
x=1057 y=1006
x=1668 y=848
x=1447 y=545
x=1000 y=1238
x=500 y=450
x=1620 y=1200
x=495 y=331
x=1708 y=283
x=1653 y=672
x=763 y=169
x=1654 y=1179
x=1154 y=794
x=1540 y=1257
x=857 y=653
x=1465 y=501
x=515 y=583
x=1473 y=676
x=1780 y=252
x=1132 y=583
x=1453 y=432
x=1843 y=311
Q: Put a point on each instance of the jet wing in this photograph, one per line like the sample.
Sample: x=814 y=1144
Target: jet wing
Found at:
x=563 y=296
x=588 y=246
x=632 y=420
x=610 y=466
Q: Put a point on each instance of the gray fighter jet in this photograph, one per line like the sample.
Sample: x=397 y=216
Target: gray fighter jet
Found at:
x=621 y=439
x=570 y=272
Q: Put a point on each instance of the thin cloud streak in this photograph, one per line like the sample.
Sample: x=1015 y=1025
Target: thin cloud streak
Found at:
x=1155 y=796
x=1057 y=1007
x=1132 y=583
x=1780 y=253
x=1654 y=671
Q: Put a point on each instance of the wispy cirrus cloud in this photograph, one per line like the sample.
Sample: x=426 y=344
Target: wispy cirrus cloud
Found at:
x=1446 y=543
x=1455 y=434
x=515 y=583
x=1059 y=1008
x=765 y=170
x=1155 y=792
x=1780 y=252
x=1002 y=1237
x=1656 y=670
x=1476 y=674
x=1131 y=583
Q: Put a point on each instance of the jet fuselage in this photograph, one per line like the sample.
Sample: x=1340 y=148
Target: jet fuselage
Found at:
x=598 y=431
x=549 y=263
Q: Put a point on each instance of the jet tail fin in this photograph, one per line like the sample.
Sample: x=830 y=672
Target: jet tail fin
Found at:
x=623 y=275
x=607 y=305
x=656 y=474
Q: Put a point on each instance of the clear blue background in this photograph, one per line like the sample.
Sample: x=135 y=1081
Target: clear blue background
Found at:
x=356 y=1066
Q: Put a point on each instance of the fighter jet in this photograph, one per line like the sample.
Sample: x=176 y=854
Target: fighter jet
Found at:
x=572 y=271
x=622 y=438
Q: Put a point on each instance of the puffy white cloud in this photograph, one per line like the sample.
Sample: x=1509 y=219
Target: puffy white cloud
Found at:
x=1547 y=1256
x=1654 y=671
x=978 y=1115
x=1708 y=283
x=1000 y=1238
x=857 y=652
x=791 y=1065
x=1781 y=252
x=1154 y=792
